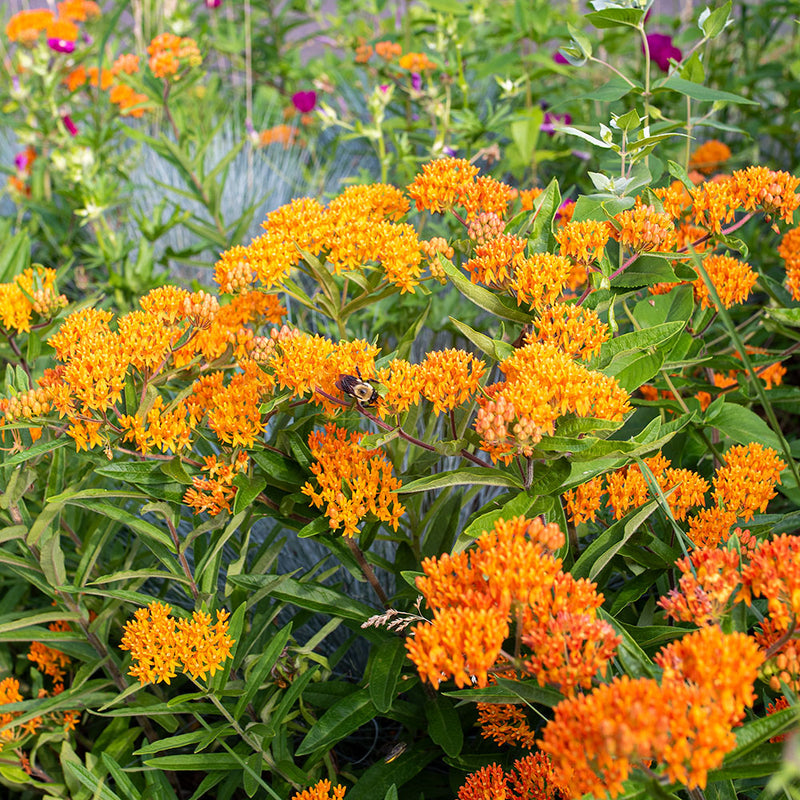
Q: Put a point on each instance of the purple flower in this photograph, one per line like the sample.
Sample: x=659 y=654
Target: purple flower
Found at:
x=23 y=160
x=449 y=151
x=71 y=127
x=384 y=87
x=61 y=45
x=213 y=3
x=662 y=50
x=558 y=58
x=304 y=102
x=416 y=81
x=551 y=120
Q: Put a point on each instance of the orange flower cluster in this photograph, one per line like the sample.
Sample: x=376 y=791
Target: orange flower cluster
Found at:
x=505 y=724
x=783 y=666
x=773 y=708
x=540 y=279
x=789 y=251
x=708 y=582
x=496 y=261
x=25 y=26
x=584 y=241
x=542 y=384
x=282 y=134
x=448 y=378
x=710 y=156
x=215 y=493
x=416 y=62
x=353 y=482
x=484 y=227
x=9 y=693
x=532 y=778
x=130 y=102
x=50 y=661
x=746 y=483
x=160 y=645
x=169 y=54
x=596 y=740
x=449 y=182
x=78 y=10
x=511 y=576
x=574 y=330
x=32 y=293
x=358 y=227
x=642 y=228
x=774 y=573
x=732 y=279
x=321 y=791
x=388 y=50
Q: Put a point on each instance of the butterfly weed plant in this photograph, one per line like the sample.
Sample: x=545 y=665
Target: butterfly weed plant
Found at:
x=572 y=529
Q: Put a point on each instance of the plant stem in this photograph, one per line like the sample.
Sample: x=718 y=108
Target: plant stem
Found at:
x=369 y=573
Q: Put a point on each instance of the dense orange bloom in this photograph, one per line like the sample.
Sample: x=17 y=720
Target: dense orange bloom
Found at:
x=127 y=63
x=773 y=192
x=495 y=261
x=62 y=29
x=48 y=660
x=25 y=26
x=540 y=279
x=442 y=184
x=642 y=228
x=281 y=134
x=416 y=62
x=215 y=493
x=674 y=198
x=78 y=10
x=388 y=50
x=486 y=226
x=160 y=645
x=505 y=724
x=486 y=196
x=165 y=429
x=595 y=740
x=583 y=502
x=575 y=330
x=774 y=573
x=773 y=708
x=34 y=292
x=502 y=429
x=532 y=778
x=103 y=78
x=9 y=693
x=724 y=666
x=583 y=241
x=128 y=100
x=321 y=791
x=342 y=465
x=783 y=665
x=511 y=576
x=527 y=197
x=733 y=280
x=169 y=54
x=709 y=578
x=710 y=156
x=364 y=53
x=789 y=251
x=746 y=483
x=714 y=203
x=401 y=380
x=711 y=526
x=449 y=378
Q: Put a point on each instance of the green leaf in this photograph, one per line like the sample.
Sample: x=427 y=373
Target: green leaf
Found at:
x=646 y=271
x=540 y=235
x=615 y=17
x=174 y=469
x=92 y=782
x=744 y=426
x=339 y=721
x=38 y=449
x=510 y=692
x=499 y=351
x=712 y=23
x=518 y=505
x=632 y=371
x=466 y=476
x=636 y=342
x=444 y=726
x=699 y=92
x=483 y=298
x=376 y=780
x=280 y=470
x=387 y=663
x=248 y=489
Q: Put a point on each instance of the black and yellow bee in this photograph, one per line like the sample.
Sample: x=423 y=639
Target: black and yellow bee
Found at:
x=363 y=391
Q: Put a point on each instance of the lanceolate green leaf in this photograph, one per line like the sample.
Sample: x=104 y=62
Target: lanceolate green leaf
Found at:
x=462 y=477
x=387 y=664
x=340 y=720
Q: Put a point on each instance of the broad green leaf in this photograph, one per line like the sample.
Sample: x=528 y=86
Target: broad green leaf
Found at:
x=646 y=271
x=615 y=17
x=518 y=505
x=376 y=780
x=256 y=676
x=466 y=476
x=444 y=726
x=279 y=470
x=744 y=426
x=636 y=342
x=248 y=489
x=633 y=371
x=699 y=92
x=499 y=351
x=387 y=663
x=339 y=721
x=200 y=762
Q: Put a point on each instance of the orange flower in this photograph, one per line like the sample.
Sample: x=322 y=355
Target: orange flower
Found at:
x=76 y=78
x=710 y=156
x=442 y=184
x=495 y=262
x=169 y=54
x=485 y=227
x=674 y=198
x=533 y=778
x=711 y=526
x=486 y=196
x=416 y=62
x=25 y=26
x=733 y=280
x=282 y=134
x=575 y=330
x=127 y=99
x=505 y=724
x=48 y=660
x=583 y=502
x=746 y=483
x=34 y=292
x=449 y=378
x=643 y=228
x=78 y=10
x=540 y=279
x=583 y=241
x=160 y=645
x=215 y=493
x=9 y=693
x=401 y=380
x=709 y=578
x=127 y=63
x=774 y=573
x=363 y=53
x=321 y=791
x=773 y=708
x=342 y=465
x=775 y=193
x=714 y=203
x=388 y=50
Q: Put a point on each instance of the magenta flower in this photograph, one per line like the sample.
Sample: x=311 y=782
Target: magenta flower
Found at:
x=61 y=45
x=662 y=50
x=416 y=81
x=213 y=3
x=71 y=127
x=23 y=160
x=304 y=102
x=551 y=120
x=558 y=58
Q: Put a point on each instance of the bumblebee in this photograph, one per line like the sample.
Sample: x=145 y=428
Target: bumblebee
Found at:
x=355 y=386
